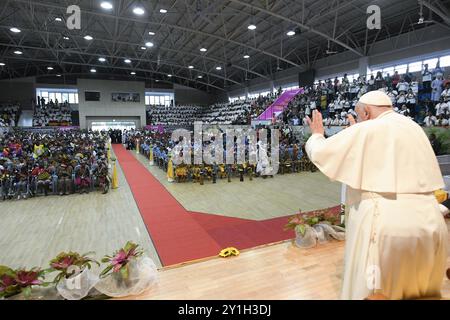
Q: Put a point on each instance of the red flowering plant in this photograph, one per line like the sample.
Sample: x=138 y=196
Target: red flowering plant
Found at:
x=119 y=262
x=68 y=263
x=13 y=282
x=301 y=221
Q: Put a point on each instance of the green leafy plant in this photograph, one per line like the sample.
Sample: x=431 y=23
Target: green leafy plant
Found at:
x=443 y=136
x=13 y=282
x=64 y=263
x=119 y=262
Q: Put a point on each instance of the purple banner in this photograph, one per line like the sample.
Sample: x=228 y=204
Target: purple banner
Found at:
x=158 y=128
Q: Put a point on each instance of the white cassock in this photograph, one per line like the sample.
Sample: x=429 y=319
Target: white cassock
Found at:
x=396 y=236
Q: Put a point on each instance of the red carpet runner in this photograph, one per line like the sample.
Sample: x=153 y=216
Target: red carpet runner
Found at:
x=179 y=235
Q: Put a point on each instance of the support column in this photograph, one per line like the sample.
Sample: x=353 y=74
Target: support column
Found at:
x=363 y=65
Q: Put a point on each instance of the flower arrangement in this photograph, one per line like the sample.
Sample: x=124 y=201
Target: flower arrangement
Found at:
x=68 y=263
x=13 y=282
x=75 y=278
x=301 y=221
x=118 y=263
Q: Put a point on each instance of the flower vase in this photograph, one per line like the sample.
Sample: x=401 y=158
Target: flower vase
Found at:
x=37 y=293
x=142 y=274
x=78 y=286
x=307 y=239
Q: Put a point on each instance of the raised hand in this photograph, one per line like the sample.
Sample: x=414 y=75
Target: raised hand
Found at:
x=351 y=119
x=316 y=124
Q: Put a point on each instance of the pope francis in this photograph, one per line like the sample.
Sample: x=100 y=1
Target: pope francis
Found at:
x=396 y=235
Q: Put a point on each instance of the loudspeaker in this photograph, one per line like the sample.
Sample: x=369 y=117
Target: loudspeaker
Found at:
x=306 y=79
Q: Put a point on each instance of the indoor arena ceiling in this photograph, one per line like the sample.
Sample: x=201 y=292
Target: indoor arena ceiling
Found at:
x=165 y=40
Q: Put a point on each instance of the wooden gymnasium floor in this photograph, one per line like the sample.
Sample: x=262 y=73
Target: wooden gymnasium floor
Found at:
x=274 y=272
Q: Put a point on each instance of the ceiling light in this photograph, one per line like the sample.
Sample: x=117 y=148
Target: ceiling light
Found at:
x=163 y=10
x=133 y=73
x=169 y=75
x=246 y=56
x=106 y=5
x=58 y=19
x=144 y=48
x=149 y=44
x=49 y=68
x=200 y=77
x=93 y=70
x=251 y=27
x=15 y=30
x=18 y=52
x=290 y=33
x=88 y=37
x=151 y=33
x=58 y=75
x=156 y=80
x=191 y=67
x=101 y=59
x=138 y=11
x=1 y=64
x=66 y=38
x=127 y=61
x=203 y=49
x=218 y=68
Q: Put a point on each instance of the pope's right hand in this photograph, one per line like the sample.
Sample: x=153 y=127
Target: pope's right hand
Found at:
x=351 y=120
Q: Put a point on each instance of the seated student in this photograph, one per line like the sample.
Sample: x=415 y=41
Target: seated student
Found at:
x=6 y=181
x=82 y=178
x=21 y=182
x=430 y=120
x=442 y=108
x=43 y=178
x=64 y=173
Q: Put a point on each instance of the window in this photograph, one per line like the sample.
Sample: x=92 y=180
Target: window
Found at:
x=415 y=66
x=431 y=63
x=389 y=70
x=401 y=69
x=159 y=98
x=445 y=61
x=62 y=95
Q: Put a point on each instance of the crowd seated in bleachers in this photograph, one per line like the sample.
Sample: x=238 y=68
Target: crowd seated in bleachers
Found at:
x=168 y=115
x=52 y=114
x=426 y=103
x=9 y=115
x=236 y=112
x=57 y=162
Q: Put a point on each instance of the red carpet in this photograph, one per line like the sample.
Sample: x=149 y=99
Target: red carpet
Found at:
x=179 y=235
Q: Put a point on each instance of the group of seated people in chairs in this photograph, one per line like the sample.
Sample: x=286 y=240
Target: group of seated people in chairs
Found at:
x=292 y=158
x=56 y=162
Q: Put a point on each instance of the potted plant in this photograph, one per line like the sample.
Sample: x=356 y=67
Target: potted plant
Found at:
x=19 y=283
x=128 y=272
x=75 y=278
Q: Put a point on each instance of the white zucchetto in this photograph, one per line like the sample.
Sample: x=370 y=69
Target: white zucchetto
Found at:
x=376 y=98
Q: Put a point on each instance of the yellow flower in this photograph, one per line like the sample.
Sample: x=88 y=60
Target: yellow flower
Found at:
x=227 y=252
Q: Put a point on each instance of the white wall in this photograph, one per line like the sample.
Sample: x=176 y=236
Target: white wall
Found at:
x=106 y=109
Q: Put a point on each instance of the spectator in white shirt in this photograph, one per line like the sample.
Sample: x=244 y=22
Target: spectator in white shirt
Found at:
x=430 y=120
